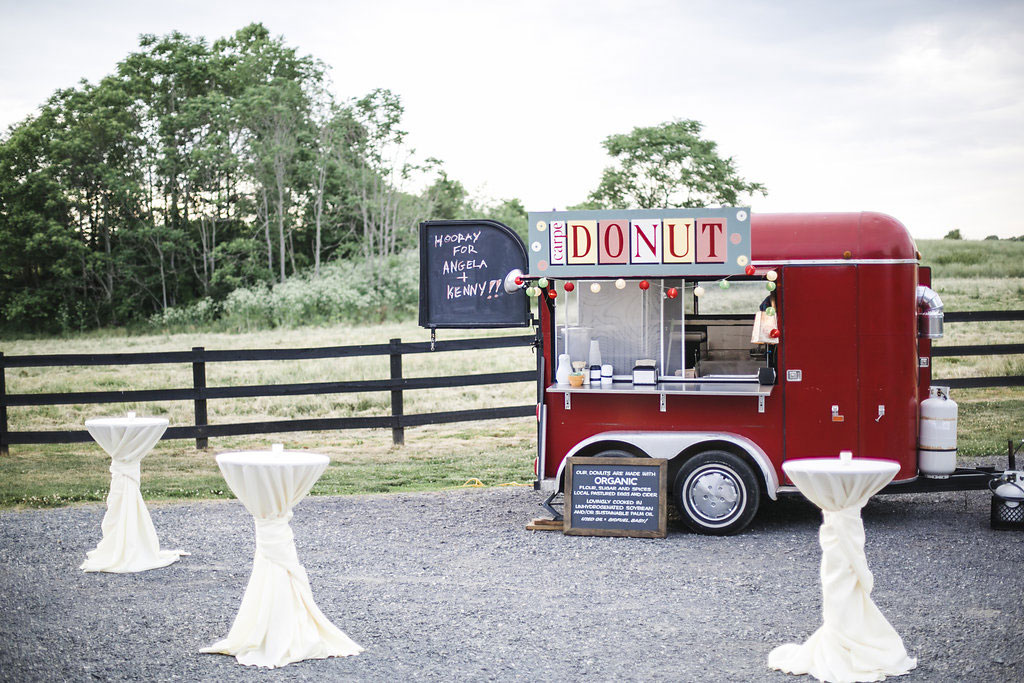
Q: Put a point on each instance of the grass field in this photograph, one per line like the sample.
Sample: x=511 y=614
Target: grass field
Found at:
x=365 y=461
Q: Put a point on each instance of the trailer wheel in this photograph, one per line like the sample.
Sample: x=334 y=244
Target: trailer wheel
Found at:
x=614 y=453
x=717 y=493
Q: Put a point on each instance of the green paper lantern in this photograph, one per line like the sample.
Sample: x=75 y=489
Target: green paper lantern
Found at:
x=542 y=283
x=770 y=310
x=770 y=286
x=723 y=284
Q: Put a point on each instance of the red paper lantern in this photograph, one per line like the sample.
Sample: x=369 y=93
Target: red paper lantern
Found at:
x=774 y=334
x=569 y=286
x=644 y=284
x=672 y=293
x=552 y=293
x=749 y=270
x=518 y=281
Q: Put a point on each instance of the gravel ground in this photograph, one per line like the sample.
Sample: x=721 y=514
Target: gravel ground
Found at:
x=451 y=586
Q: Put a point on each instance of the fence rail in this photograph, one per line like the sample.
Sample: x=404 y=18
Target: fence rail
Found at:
x=199 y=393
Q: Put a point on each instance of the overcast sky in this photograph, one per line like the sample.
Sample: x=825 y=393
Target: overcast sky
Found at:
x=915 y=109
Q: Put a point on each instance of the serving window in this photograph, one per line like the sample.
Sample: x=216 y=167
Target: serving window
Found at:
x=686 y=336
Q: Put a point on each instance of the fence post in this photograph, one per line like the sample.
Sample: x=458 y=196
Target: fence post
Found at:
x=199 y=385
x=3 y=406
x=397 y=431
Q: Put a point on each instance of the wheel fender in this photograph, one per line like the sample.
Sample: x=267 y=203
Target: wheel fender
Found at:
x=668 y=445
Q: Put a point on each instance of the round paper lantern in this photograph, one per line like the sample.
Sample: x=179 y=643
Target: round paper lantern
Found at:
x=770 y=286
x=620 y=284
x=672 y=293
x=723 y=284
x=772 y=276
x=644 y=284
x=770 y=310
x=518 y=281
x=569 y=286
x=595 y=287
x=542 y=283
x=552 y=293
x=698 y=291
x=774 y=334
x=749 y=270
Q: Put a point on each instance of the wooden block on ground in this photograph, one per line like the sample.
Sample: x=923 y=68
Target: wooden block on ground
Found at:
x=543 y=524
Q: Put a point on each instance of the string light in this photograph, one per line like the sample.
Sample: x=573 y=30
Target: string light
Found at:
x=595 y=287
x=723 y=284
x=698 y=291
x=772 y=276
x=542 y=283
x=620 y=284
x=770 y=286
x=644 y=284
x=672 y=293
x=569 y=286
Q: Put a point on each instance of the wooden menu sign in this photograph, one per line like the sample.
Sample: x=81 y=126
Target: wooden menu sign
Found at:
x=616 y=497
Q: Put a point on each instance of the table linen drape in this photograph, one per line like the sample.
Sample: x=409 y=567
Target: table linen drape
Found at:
x=129 y=543
x=278 y=621
x=855 y=642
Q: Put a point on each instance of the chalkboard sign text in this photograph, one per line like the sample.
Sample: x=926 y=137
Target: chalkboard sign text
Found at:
x=463 y=265
x=616 y=497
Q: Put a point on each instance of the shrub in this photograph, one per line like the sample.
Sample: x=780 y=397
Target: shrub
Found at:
x=346 y=291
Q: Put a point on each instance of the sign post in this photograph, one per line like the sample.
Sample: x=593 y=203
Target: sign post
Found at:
x=616 y=497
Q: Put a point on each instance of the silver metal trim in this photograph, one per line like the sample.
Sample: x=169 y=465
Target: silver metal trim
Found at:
x=834 y=262
x=669 y=444
x=547 y=485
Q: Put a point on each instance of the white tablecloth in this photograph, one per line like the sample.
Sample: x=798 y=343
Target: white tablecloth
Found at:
x=129 y=540
x=278 y=621
x=855 y=642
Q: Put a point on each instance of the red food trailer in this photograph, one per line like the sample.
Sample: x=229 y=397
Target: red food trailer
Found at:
x=727 y=343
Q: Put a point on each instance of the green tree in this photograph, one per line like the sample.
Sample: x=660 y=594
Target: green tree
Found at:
x=953 y=235
x=669 y=165
x=448 y=198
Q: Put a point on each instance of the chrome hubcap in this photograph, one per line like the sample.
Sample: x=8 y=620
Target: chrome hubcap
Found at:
x=714 y=493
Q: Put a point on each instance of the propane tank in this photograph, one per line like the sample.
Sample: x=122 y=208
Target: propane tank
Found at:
x=936 y=449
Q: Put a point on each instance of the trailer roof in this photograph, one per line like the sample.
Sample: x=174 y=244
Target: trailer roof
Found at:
x=778 y=237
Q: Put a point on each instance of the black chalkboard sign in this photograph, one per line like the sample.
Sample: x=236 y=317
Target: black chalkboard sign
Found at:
x=616 y=497
x=463 y=266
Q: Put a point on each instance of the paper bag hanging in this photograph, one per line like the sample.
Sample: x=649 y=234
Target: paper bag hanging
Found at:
x=763 y=326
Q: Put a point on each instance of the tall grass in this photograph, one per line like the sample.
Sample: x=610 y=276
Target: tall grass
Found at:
x=973 y=258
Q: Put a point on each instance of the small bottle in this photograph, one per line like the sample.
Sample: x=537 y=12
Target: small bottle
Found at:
x=595 y=374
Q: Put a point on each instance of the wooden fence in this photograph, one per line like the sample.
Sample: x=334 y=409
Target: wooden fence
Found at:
x=980 y=350
x=396 y=384
x=199 y=393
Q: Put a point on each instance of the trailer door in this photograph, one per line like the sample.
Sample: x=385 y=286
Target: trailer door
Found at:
x=819 y=353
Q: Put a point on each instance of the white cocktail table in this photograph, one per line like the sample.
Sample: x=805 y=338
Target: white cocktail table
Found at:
x=278 y=621
x=855 y=642
x=129 y=540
